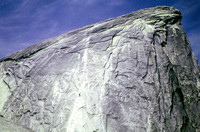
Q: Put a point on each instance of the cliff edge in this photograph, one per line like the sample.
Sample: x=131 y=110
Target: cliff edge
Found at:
x=133 y=73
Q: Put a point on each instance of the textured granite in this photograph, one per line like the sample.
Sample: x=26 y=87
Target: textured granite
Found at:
x=8 y=126
x=133 y=73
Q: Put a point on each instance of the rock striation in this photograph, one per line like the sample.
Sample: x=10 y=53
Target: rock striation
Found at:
x=133 y=73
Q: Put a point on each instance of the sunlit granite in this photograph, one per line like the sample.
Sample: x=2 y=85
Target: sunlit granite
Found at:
x=133 y=73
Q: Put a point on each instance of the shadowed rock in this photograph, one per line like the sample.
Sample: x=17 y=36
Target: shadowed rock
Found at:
x=133 y=73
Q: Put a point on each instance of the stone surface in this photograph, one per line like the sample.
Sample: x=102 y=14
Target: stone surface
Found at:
x=8 y=126
x=133 y=73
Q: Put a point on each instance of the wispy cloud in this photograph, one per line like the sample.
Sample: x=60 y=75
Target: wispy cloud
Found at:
x=116 y=2
x=186 y=6
x=23 y=22
x=93 y=2
x=24 y=25
x=84 y=2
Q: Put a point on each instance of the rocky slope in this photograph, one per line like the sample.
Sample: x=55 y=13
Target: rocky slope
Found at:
x=133 y=73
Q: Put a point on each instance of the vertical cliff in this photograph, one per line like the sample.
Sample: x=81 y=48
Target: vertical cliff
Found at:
x=133 y=73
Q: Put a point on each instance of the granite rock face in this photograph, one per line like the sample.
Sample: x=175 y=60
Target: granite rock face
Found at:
x=8 y=126
x=133 y=73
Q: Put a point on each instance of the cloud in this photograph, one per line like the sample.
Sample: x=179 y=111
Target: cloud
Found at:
x=86 y=2
x=25 y=24
x=82 y=2
x=95 y=2
x=187 y=6
x=116 y=2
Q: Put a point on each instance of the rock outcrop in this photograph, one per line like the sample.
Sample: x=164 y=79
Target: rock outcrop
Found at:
x=8 y=126
x=133 y=73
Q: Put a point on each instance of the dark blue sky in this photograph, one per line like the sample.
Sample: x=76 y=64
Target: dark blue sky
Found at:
x=25 y=22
